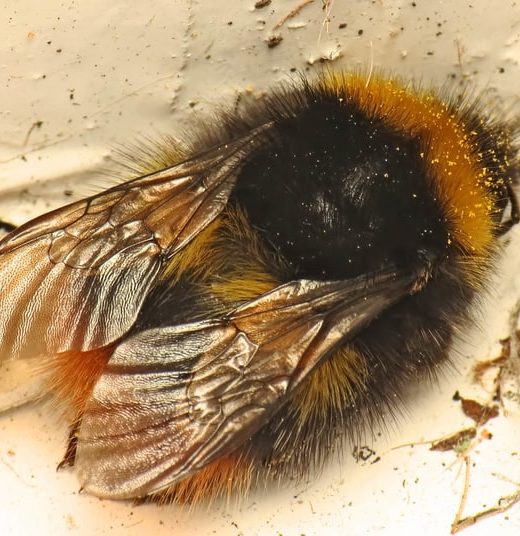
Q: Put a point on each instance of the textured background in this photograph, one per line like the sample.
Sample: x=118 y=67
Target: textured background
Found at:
x=80 y=79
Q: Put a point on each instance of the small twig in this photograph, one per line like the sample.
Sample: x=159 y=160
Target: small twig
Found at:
x=430 y=442
x=327 y=7
x=17 y=475
x=504 y=504
x=292 y=14
x=460 y=53
x=463 y=497
x=506 y=479
x=36 y=124
x=36 y=148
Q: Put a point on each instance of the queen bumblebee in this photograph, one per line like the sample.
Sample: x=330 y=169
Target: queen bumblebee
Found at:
x=261 y=293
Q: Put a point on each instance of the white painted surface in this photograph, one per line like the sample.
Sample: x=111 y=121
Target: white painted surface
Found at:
x=98 y=74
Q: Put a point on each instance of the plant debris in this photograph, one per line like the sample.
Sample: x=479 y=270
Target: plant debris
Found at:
x=503 y=504
x=365 y=455
x=262 y=3
x=274 y=40
x=482 y=367
x=477 y=411
x=457 y=441
x=292 y=13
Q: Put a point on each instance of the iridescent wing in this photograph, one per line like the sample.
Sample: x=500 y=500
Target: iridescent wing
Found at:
x=172 y=400
x=75 y=278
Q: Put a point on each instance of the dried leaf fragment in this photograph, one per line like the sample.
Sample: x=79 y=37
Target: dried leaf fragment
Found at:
x=477 y=411
x=455 y=441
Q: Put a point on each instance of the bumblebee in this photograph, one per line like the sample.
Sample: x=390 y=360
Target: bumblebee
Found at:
x=259 y=294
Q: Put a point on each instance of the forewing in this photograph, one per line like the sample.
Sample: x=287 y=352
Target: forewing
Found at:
x=172 y=400
x=75 y=279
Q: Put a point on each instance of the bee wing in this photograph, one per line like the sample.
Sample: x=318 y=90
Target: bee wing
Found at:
x=75 y=279
x=172 y=400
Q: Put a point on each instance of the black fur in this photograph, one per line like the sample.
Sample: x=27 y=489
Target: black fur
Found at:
x=338 y=194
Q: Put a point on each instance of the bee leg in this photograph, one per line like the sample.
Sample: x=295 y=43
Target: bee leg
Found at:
x=6 y=226
x=72 y=444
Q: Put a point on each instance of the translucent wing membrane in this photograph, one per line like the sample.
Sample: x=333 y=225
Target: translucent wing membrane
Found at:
x=75 y=279
x=172 y=400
